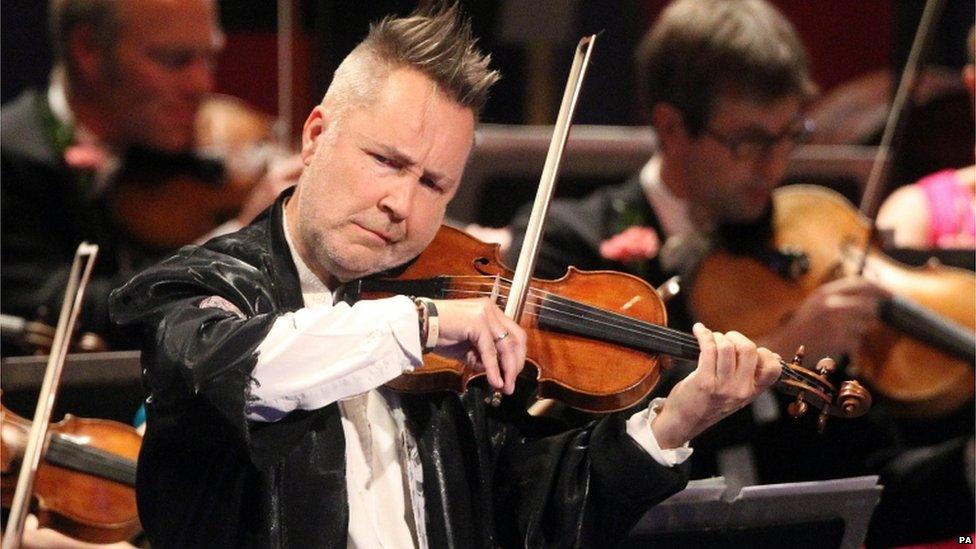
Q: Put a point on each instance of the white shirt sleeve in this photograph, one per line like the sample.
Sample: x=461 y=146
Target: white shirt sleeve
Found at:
x=318 y=355
x=639 y=428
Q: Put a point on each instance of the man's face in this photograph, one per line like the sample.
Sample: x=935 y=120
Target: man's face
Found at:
x=733 y=166
x=160 y=71
x=377 y=182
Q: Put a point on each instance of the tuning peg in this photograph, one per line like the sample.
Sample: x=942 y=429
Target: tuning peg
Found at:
x=822 y=420
x=826 y=366
x=798 y=357
x=798 y=407
x=854 y=399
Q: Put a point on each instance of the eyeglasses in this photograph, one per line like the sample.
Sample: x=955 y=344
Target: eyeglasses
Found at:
x=753 y=145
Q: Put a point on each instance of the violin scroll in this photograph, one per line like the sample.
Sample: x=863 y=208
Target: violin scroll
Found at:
x=813 y=387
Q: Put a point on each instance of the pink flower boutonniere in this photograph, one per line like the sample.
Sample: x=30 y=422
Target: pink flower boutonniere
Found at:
x=634 y=244
x=85 y=157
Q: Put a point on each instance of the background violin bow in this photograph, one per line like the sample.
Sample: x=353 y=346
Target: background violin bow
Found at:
x=78 y=278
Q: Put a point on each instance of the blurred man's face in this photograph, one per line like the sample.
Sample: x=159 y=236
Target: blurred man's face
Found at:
x=377 y=182
x=733 y=166
x=160 y=71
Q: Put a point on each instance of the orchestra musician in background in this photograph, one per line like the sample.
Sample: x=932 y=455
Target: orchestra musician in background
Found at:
x=725 y=85
x=128 y=74
x=939 y=211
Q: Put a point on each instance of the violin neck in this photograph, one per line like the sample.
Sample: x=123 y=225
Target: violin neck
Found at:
x=84 y=458
x=928 y=327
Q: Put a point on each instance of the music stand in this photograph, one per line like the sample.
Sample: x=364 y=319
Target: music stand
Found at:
x=823 y=514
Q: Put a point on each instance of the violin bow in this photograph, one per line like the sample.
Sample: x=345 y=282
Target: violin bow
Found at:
x=78 y=278
x=894 y=126
x=285 y=38
x=547 y=185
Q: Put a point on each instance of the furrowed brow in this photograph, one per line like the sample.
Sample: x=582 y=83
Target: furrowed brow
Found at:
x=406 y=161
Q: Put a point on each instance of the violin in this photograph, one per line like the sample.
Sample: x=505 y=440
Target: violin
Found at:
x=595 y=339
x=85 y=485
x=920 y=356
x=167 y=200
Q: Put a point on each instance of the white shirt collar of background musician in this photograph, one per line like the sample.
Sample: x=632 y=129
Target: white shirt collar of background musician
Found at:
x=57 y=99
x=672 y=212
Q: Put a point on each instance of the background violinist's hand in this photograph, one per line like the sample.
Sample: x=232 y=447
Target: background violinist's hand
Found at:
x=731 y=373
x=474 y=330
x=831 y=320
x=281 y=174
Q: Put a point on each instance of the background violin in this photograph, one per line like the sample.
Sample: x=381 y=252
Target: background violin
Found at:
x=165 y=200
x=594 y=338
x=939 y=128
x=85 y=485
x=920 y=357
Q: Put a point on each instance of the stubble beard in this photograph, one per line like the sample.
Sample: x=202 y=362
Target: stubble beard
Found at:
x=341 y=261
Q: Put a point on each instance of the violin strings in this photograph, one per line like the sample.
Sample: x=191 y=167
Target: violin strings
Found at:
x=610 y=319
x=632 y=326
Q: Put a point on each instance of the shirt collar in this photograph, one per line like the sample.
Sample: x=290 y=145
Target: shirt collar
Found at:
x=672 y=212
x=314 y=291
x=57 y=98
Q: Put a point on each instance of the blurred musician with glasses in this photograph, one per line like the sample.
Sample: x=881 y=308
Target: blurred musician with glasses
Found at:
x=725 y=85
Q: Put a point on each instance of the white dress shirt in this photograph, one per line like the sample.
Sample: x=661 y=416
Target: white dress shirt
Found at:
x=672 y=212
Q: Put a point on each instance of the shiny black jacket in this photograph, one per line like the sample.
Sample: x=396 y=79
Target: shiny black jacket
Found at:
x=209 y=477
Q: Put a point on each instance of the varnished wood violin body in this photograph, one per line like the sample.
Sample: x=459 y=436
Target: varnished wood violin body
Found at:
x=917 y=378
x=85 y=485
x=164 y=201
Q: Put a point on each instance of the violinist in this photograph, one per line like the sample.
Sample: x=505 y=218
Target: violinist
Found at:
x=725 y=85
x=268 y=421
x=128 y=75
x=939 y=211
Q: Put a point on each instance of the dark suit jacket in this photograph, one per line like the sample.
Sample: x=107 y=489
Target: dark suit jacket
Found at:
x=45 y=215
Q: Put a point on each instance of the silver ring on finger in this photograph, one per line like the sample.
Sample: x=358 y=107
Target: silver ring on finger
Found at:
x=501 y=337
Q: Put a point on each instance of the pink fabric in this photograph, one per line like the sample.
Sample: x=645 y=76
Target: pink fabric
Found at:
x=950 y=207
